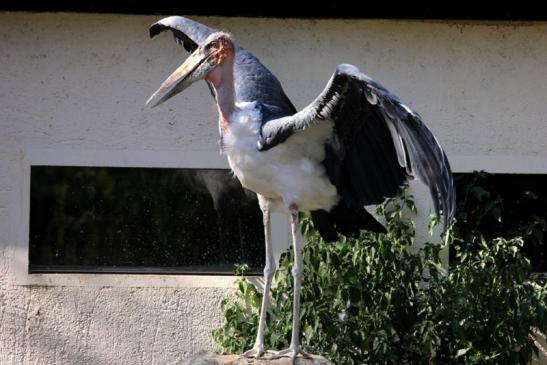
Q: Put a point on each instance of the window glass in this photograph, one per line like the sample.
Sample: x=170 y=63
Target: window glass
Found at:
x=505 y=205
x=151 y=220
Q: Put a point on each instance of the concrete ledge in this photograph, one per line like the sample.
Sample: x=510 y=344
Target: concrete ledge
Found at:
x=240 y=360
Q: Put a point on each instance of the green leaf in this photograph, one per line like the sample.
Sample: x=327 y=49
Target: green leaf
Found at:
x=479 y=193
x=462 y=352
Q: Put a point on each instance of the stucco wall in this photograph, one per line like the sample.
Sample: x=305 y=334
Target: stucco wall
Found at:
x=77 y=84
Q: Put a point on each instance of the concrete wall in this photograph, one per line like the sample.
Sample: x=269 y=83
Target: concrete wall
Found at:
x=75 y=85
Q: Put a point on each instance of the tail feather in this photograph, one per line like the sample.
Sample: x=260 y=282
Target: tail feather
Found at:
x=344 y=220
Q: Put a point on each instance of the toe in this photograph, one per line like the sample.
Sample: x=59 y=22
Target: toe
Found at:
x=291 y=353
x=255 y=352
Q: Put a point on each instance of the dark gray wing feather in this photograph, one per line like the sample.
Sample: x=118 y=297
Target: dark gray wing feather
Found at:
x=253 y=81
x=378 y=143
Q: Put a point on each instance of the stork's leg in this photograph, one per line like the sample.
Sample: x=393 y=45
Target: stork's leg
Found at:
x=297 y=272
x=269 y=270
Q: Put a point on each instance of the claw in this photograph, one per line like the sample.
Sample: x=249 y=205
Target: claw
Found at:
x=256 y=352
x=292 y=353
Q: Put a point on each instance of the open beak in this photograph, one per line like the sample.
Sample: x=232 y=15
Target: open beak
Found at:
x=195 y=68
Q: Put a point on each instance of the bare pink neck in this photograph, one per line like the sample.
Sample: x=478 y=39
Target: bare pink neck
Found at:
x=223 y=82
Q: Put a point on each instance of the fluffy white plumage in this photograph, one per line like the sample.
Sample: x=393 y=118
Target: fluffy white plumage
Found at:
x=292 y=173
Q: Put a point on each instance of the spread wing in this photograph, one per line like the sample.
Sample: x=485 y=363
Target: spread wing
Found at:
x=378 y=143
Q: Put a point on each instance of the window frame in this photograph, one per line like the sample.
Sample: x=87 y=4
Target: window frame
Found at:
x=509 y=164
x=119 y=158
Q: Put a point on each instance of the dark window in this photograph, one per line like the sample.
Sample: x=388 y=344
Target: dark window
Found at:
x=142 y=220
x=505 y=205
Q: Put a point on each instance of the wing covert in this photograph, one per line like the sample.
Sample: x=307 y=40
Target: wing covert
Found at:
x=378 y=142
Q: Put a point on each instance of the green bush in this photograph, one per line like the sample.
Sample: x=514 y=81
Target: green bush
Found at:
x=372 y=300
x=487 y=306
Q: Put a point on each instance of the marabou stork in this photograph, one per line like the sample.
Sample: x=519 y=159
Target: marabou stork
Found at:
x=353 y=146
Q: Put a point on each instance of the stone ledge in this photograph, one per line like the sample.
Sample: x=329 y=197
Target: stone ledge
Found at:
x=209 y=359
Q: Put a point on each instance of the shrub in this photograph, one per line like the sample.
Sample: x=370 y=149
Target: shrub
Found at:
x=372 y=300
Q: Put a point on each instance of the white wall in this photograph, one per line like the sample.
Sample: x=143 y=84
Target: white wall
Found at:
x=74 y=84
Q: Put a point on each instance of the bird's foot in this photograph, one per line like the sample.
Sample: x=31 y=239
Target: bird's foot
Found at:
x=256 y=352
x=291 y=353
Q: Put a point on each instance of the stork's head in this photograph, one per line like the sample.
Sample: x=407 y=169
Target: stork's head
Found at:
x=218 y=49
